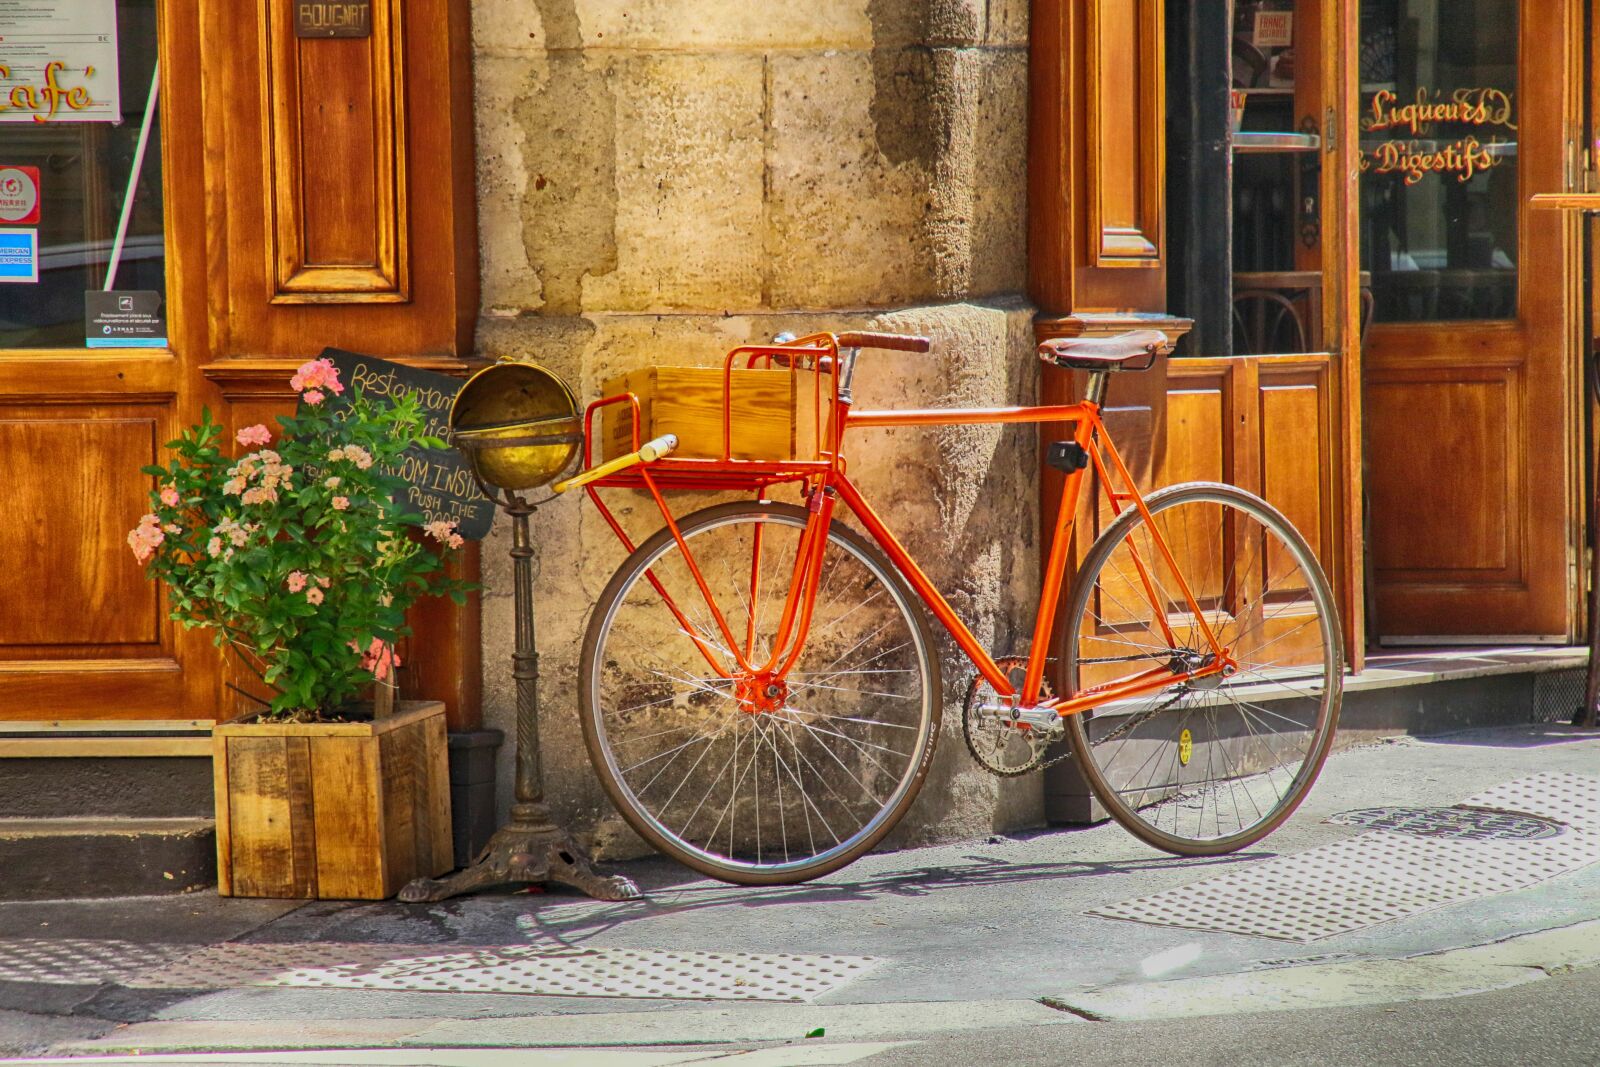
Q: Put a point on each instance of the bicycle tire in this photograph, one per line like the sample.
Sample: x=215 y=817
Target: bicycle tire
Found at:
x=1229 y=716
x=808 y=743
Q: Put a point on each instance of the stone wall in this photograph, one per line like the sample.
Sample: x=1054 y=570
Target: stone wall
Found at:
x=661 y=180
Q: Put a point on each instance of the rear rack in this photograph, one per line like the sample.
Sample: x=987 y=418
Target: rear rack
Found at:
x=816 y=356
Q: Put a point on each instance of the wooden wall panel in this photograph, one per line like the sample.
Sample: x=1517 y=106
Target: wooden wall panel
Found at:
x=1198 y=424
x=336 y=164
x=1293 y=432
x=1294 y=412
x=312 y=147
x=1127 y=130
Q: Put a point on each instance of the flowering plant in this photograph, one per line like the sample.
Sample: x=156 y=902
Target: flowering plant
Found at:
x=302 y=556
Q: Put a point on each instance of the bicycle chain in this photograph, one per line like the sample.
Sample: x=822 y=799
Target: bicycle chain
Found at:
x=1128 y=724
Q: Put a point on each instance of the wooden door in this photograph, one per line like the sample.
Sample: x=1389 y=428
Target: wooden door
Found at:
x=275 y=214
x=83 y=633
x=1469 y=375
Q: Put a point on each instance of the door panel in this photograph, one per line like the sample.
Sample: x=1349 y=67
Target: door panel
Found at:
x=1466 y=528
x=67 y=529
x=1468 y=370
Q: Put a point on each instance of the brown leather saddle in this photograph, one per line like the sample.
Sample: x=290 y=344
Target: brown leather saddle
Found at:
x=1128 y=351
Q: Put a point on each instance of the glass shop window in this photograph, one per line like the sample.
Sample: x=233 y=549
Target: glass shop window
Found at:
x=1439 y=158
x=81 y=207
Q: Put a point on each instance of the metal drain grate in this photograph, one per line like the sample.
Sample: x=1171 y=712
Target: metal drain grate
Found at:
x=74 y=961
x=562 y=972
x=1557 y=695
x=1467 y=824
x=1382 y=875
x=1570 y=798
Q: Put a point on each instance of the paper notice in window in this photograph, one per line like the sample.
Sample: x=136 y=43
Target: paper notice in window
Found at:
x=58 y=61
x=1273 y=29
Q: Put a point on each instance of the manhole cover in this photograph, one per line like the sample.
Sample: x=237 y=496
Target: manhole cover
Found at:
x=1469 y=824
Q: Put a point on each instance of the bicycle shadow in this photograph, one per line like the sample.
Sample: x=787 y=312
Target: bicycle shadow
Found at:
x=671 y=892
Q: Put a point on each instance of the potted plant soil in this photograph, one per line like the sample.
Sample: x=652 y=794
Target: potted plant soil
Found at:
x=298 y=552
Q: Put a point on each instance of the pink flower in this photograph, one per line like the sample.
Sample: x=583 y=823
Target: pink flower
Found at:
x=296 y=581
x=231 y=529
x=169 y=496
x=333 y=483
x=355 y=454
x=214 y=548
x=233 y=486
x=145 y=538
x=324 y=582
x=253 y=436
x=314 y=595
x=444 y=532
x=313 y=396
x=317 y=374
x=379 y=658
x=261 y=494
x=340 y=503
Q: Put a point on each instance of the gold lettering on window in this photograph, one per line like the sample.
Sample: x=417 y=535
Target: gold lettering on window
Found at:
x=1416 y=158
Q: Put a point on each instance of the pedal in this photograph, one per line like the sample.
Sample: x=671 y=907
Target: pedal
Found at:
x=1067 y=456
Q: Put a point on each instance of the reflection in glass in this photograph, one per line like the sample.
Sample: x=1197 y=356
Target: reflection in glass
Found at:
x=84 y=169
x=1439 y=158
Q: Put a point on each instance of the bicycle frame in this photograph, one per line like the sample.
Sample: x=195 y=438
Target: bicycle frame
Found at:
x=826 y=482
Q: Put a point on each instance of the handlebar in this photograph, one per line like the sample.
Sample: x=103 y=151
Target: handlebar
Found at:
x=648 y=452
x=896 y=342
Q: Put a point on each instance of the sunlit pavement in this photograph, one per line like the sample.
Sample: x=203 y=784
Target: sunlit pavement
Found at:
x=987 y=935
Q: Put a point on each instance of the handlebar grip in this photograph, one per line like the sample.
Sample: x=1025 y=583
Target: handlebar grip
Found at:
x=648 y=452
x=897 y=342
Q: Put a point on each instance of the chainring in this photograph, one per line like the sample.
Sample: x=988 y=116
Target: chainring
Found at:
x=999 y=747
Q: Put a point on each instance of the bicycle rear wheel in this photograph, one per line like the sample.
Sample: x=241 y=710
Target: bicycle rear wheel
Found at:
x=756 y=779
x=1209 y=765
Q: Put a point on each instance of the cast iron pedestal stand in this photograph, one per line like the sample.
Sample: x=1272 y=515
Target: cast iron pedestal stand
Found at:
x=530 y=847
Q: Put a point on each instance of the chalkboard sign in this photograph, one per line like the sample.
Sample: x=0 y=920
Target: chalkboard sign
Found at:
x=438 y=481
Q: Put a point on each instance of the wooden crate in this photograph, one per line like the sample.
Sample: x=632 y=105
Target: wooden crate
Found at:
x=771 y=411
x=336 y=811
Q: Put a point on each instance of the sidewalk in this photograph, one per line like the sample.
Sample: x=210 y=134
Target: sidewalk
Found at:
x=993 y=933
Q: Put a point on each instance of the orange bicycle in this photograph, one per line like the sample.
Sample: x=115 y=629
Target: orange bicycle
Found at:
x=761 y=693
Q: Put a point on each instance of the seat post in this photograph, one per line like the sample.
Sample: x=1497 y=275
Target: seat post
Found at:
x=1096 y=392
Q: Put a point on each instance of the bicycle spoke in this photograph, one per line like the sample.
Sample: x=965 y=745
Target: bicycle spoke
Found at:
x=1264 y=725
x=693 y=760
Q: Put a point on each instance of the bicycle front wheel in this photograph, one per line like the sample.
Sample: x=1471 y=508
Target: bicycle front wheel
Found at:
x=1212 y=764
x=751 y=777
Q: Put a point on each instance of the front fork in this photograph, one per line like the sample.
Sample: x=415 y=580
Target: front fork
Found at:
x=764 y=682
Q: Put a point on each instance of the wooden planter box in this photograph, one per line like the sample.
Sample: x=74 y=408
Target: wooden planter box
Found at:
x=341 y=811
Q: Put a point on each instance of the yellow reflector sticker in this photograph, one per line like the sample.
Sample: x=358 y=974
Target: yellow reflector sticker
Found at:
x=1185 y=747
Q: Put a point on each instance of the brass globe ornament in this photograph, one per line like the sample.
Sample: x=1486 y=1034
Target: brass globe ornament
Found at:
x=518 y=424
x=520 y=428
